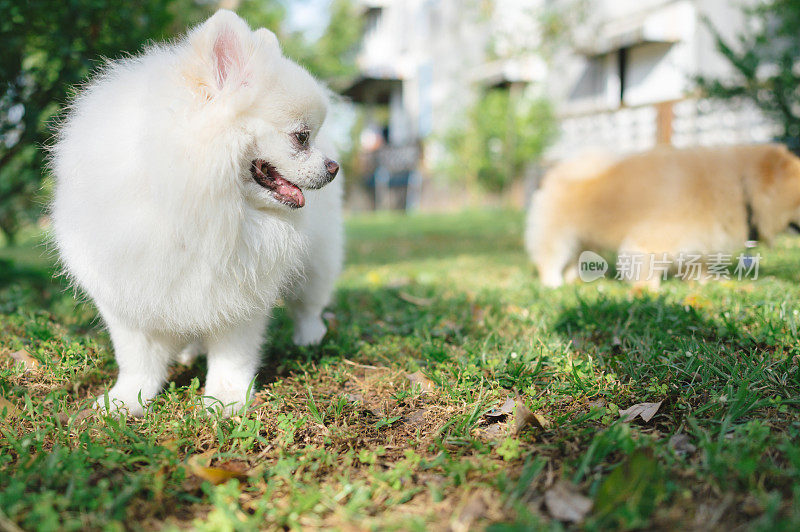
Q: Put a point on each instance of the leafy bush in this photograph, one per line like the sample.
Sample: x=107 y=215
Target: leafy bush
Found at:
x=505 y=131
x=49 y=47
x=764 y=59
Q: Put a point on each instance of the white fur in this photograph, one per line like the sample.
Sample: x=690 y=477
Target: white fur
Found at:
x=157 y=218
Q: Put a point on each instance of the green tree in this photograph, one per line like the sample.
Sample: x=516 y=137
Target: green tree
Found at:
x=331 y=57
x=765 y=62
x=49 y=46
x=506 y=130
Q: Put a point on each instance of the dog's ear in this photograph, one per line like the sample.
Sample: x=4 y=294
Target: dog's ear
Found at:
x=227 y=56
x=268 y=41
x=225 y=43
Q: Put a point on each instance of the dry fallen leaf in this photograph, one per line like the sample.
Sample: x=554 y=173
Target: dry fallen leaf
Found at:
x=600 y=403
x=77 y=417
x=416 y=418
x=355 y=397
x=566 y=504
x=236 y=466
x=644 y=410
x=25 y=359
x=10 y=409
x=494 y=431
x=377 y=411
x=424 y=382
x=414 y=300
x=501 y=411
x=370 y=404
x=681 y=444
x=361 y=371
x=524 y=417
x=216 y=474
x=472 y=510
x=362 y=366
x=541 y=421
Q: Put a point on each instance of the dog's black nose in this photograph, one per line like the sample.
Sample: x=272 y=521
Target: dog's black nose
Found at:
x=332 y=167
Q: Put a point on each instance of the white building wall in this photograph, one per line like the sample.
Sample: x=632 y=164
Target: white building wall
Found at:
x=443 y=50
x=439 y=49
x=667 y=45
x=655 y=73
x=709 y=123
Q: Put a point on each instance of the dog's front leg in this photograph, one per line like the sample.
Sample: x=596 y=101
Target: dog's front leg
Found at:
x=143 y=359
x=233 y=359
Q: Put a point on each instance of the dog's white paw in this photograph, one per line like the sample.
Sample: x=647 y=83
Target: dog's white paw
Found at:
x=228 y=401
x=130 y=393
x=551 y=279
x=309 y=331
x=119 y=400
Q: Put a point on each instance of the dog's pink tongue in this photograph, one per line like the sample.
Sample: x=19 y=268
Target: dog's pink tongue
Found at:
x=289 y=192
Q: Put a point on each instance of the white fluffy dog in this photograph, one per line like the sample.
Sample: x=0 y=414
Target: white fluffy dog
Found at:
x=189 y=198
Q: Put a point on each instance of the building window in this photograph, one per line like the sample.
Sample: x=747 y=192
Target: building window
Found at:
x=622 y=71
x=591 y=83
x=371 y=19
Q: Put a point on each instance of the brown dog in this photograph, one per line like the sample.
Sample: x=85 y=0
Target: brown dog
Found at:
x=663 y=203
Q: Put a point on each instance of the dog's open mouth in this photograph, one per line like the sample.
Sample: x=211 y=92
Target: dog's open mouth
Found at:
x=282 y=189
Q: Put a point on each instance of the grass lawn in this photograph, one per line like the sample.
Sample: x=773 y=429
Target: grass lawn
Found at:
x=398 y=420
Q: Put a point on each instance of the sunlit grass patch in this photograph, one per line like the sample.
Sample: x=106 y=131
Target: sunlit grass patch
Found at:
x=395 y=421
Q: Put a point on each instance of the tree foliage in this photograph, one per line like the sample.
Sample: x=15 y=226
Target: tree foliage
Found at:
x=50 y=46
x=765 y=61
x=505 y=132
x=332 y=56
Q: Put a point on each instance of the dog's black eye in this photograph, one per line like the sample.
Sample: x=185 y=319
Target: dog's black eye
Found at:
x=302 y=137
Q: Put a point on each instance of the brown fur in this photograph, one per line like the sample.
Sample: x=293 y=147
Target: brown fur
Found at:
x=666 y=200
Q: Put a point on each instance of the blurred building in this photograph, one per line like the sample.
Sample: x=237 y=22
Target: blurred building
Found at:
x=621 y=80
x=421 y=64
x=626 y=81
